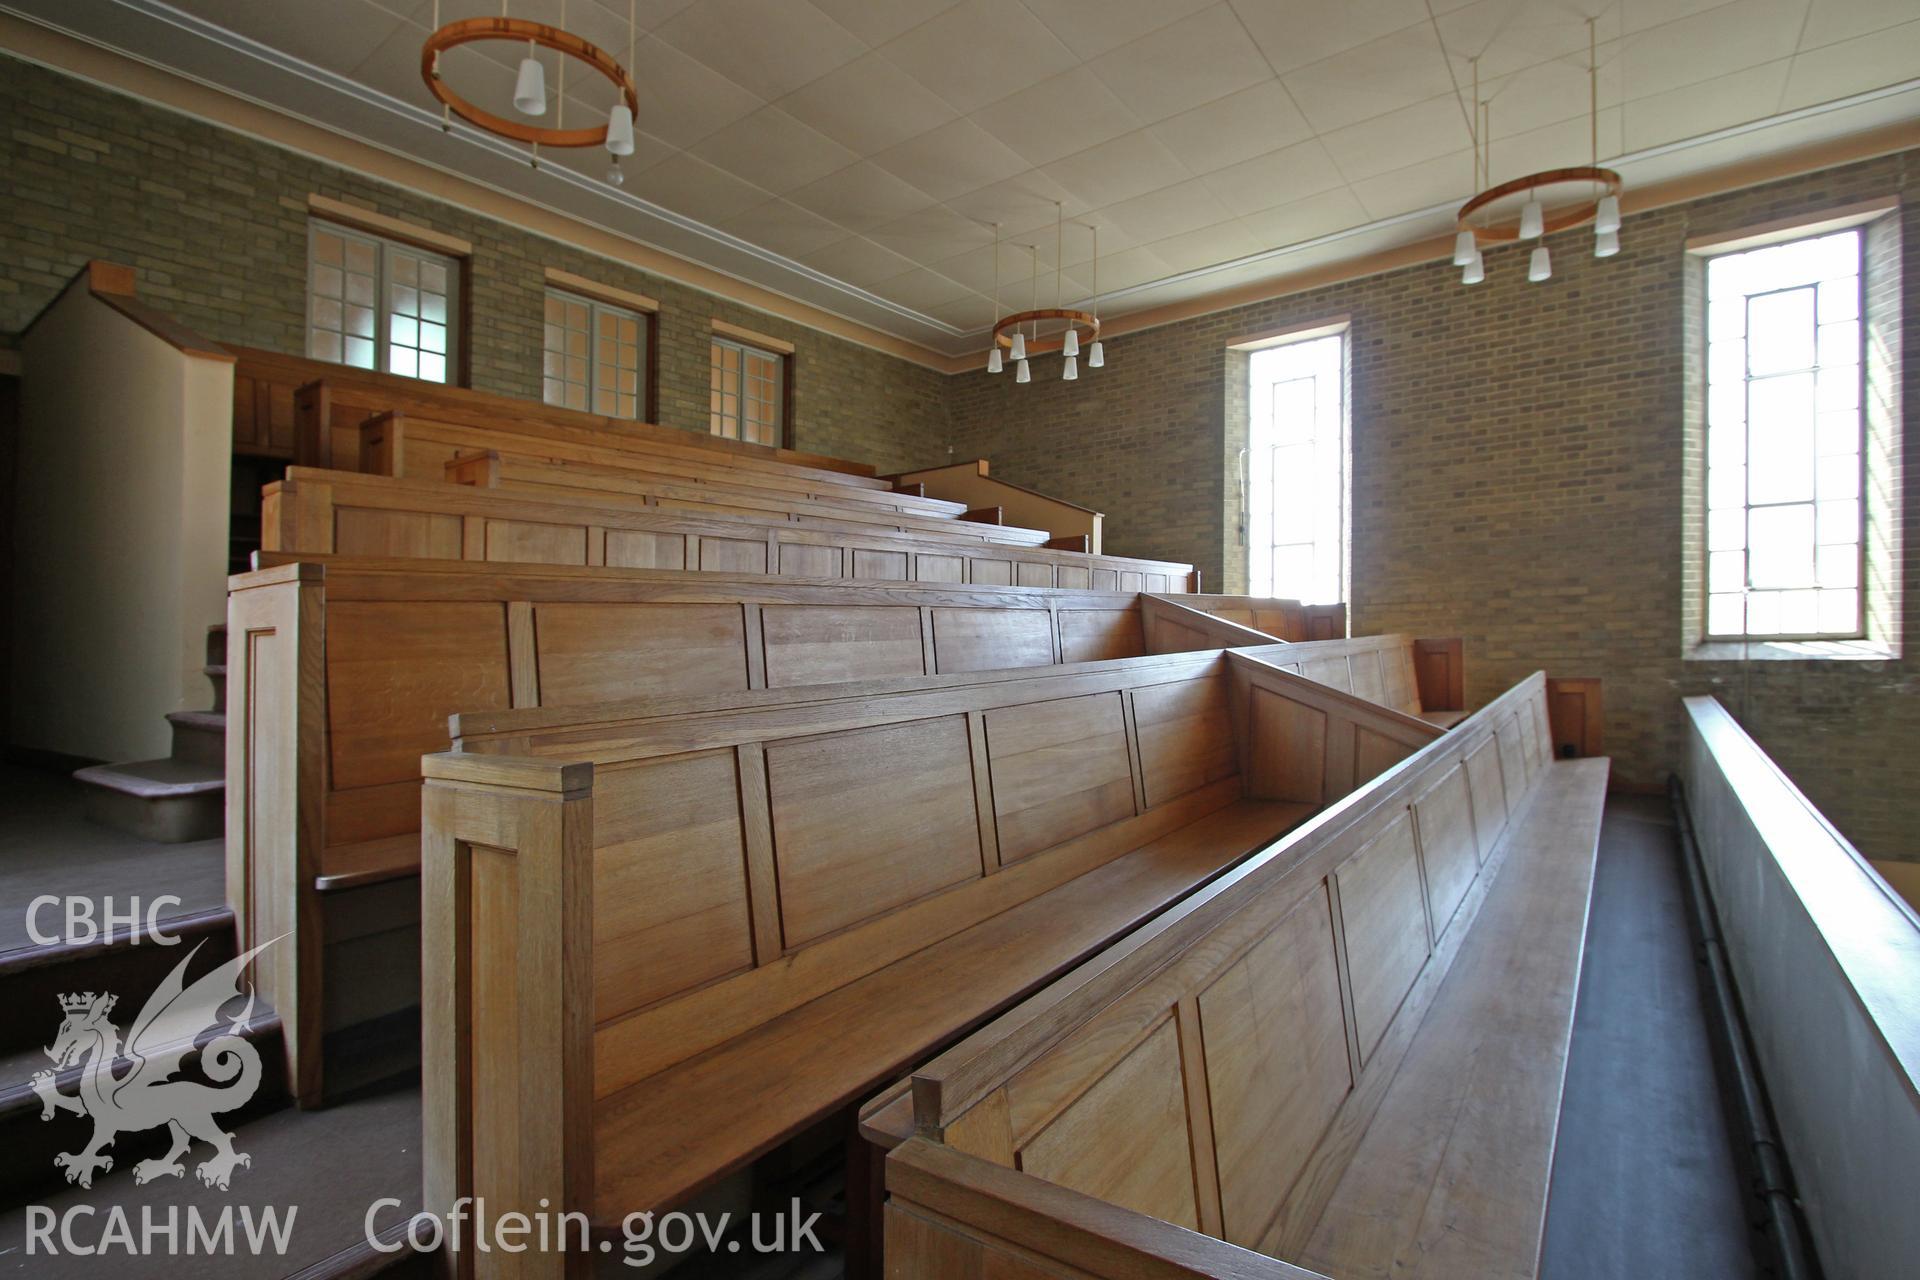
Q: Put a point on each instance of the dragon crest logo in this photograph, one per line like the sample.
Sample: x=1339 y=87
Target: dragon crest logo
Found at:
x=144 y=1094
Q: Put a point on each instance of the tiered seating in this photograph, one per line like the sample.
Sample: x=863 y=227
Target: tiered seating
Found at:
x=660 y=943
x=1346 y=1054
x=1420 y=677
x=345 y=671
x=1288 y=619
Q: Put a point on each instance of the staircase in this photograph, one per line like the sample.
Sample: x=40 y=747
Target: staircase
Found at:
x=181 y=796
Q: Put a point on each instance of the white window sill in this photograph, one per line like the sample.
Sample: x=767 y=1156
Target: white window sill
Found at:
x=1791 y=651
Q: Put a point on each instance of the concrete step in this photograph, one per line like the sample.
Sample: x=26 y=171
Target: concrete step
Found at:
x=199 y=737
x=170 y=801
x=217 y=677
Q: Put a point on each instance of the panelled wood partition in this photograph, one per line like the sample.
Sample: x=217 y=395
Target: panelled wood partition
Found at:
x=328 y=512
x=344 y=672
x=1281 y=1063
x=742 y=961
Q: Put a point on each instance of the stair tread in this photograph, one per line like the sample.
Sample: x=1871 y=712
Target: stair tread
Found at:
x=17 y=1068
x=211 y=721
x=155 y=779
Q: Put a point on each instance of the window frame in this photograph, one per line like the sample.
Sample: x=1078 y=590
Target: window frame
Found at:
x=1341 y=332
x=783 y=388
x=385 y=248
x=1815 y=230
x=644 y=352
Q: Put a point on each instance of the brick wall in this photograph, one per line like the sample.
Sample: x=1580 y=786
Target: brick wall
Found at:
x=216 y=225
x=1519 y=478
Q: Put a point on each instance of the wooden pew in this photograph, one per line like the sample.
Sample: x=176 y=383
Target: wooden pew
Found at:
x=1346 y=1054
x=336 y=512
x=1287 y=620
x=684 y=936
x=267 y=384
x=344 y=672
x=1420 y=677
x=1825 y=958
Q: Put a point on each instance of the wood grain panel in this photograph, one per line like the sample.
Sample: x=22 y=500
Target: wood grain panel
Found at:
x=1385 y=925
x=1276 y=1055
x=1332 y=672
x=1402 y=691
x=911 y=786
x=996 y=573
x=814 y=644
x=1289 y=749
x=1489 y=796
x=804 y=560
x=393 y=670
x=1072 y=577
x=415 y=535
x=1374 y=754
x=1105 y=579
x=633 y=549
x=670 y=903
x=887 y=566
x=528 y=542
x=991 y=639
x=1028 y=574
x=1125 y=1139
x=1369 y=681
x=928 y=568
x=1059 y=768
x=732 y=555
x=600 y=652
x=1444 y=818
x=1095 y=635
x=1186 y=738
x=1513 y=764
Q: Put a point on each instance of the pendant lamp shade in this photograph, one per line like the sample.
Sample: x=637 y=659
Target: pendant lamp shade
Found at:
x=1533 y=220
x=1071 y=371
x=1606 y=218
x=1464 y=249
x=1606 y=244
x=1021 y=373
x=620 y=130
x=1071 y=343
x=530 y=90
x=1020 y=347
x=1476 y=270
x=1096 y=356
x=993 y=359
x=1539 y=266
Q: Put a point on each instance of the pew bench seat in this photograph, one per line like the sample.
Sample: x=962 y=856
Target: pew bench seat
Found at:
x=1450 y=1179
x=664 y=1138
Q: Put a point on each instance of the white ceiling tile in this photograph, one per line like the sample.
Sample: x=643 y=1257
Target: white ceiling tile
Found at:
x=771 y=46
x=682 y=100
x=1556 y=146
x=1506 y=37
x=1293 y=33
x=647 y=14
x=1638 y=15
x=1694 y=109
x=1206 y=247
x=1130 y=165
x=1853 y=66
x=1186 y=65
x=1279 y=177
x=858 y=261
x=860 y=197
x=1234 y=128
x=1130 y=268
x=1830 y=21
x=920 y=289
x=335 y=36
x=1372 y=79
x=1743 y=33
x=1091 y=30
x=979 y=52
x=1020 y=204
x=782 y=227
x=1167 y=212
x=878 y=23
x=1057 y=117
x=1545 y=93
x=1320 y=215
x=931 y=234
x=955 y=158
x=1439 y=180
x=972 y=313
x=868 y=105
x=773 y=150
x=695 y=188
x=1399 y=138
